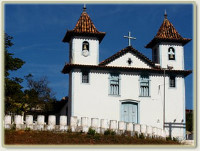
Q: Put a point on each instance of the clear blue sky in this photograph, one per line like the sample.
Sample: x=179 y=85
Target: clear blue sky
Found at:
x=38 y=30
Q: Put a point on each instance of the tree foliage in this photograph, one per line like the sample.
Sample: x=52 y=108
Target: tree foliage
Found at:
x=39 y=94
x=11 y=63
x=189 y=121
x=13 y=88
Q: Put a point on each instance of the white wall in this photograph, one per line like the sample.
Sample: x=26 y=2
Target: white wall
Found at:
x=93 y=99
x=122 y=61
x=78 y=58
x=178 y=63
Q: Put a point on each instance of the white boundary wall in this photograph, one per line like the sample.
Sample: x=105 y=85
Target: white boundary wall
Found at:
x=100 y=126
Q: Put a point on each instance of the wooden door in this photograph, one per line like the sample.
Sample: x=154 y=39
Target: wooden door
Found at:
x=129 y=112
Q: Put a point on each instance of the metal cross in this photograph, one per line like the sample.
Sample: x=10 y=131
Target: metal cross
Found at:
x=129 y=38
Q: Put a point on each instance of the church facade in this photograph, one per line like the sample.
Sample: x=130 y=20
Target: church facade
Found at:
x=127 y=86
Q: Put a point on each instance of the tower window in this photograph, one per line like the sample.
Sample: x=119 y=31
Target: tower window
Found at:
x=85 y=77
x=114 y=84
x=144 y=86
x=171 y=53
x=85 y=49
x=85 y=46
x=172 y=81
x=155 y=55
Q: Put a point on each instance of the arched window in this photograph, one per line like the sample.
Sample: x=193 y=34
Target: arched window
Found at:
x=85 y=46
x=171 y=53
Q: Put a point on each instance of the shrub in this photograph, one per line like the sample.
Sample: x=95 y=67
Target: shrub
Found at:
x=27 y=129
x=175 y=139
x=13 y=127
x=69 y=130
x=113 y=133
x=136 y=135
x=109 y=132
x=168 y=138
x=141 y=136
x=91 y=132
x=126 y=133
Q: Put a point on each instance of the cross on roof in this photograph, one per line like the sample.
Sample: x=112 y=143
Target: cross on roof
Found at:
x=129 y=38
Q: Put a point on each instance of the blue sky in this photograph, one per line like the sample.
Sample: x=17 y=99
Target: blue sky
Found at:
x=38 y=30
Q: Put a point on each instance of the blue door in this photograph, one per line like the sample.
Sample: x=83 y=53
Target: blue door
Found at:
x=129 y=112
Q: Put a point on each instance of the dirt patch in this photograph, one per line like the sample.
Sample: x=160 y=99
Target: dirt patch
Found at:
x=45 y=137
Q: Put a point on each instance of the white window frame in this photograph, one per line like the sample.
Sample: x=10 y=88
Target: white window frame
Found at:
x=170 y=81
x=88 y=77
x=144 y=86
x=114 y=84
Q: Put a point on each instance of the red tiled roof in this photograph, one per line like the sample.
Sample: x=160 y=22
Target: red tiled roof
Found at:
x=68 y=67
x=168 y=33
x=126 y=50
x=84 y=27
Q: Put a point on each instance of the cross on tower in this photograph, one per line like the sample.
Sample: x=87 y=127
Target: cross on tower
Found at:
x=129 y=38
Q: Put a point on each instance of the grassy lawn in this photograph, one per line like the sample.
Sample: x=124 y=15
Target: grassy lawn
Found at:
x=44 y=137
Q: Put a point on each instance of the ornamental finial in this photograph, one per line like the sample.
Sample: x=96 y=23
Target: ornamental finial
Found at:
x=84 y=7
x=165 y=14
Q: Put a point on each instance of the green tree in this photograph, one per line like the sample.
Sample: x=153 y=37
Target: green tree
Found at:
x=39 y=94
x=13 y=88
x=189 y=121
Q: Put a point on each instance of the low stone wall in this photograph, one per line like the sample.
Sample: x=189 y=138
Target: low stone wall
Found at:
x=76 y=125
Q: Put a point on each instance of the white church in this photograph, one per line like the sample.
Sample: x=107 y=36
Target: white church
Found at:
x=127 y=86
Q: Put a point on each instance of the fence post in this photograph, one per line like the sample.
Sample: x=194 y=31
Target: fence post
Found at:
x=113 y=125
x=40 y=122
x=18 y=121
x=29 y=121
x=51 y=122
x=95 y=124
x=73 y=123
x=144 y=129
x=121 y=127
x=84 y=124
x=63 y=123
x=136 y=129
x=104 y=125
x=7 y=122
x=149 y=131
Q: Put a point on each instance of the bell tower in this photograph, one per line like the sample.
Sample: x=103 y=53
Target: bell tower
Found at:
x=168 y=46
x=84 y=41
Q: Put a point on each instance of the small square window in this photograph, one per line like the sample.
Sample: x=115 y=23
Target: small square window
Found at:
x=172 y=81
x=85 y=77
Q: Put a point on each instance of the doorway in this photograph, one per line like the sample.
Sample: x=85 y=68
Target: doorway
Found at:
x=129 y=112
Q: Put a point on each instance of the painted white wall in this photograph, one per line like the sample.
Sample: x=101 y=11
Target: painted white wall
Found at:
x=178 y=63
x=76 y=51
x=122 y=61
x=93 y=100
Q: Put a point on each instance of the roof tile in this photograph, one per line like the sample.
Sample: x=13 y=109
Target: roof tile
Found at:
x=167 y=32
x=124 y=51
x=84 y=27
